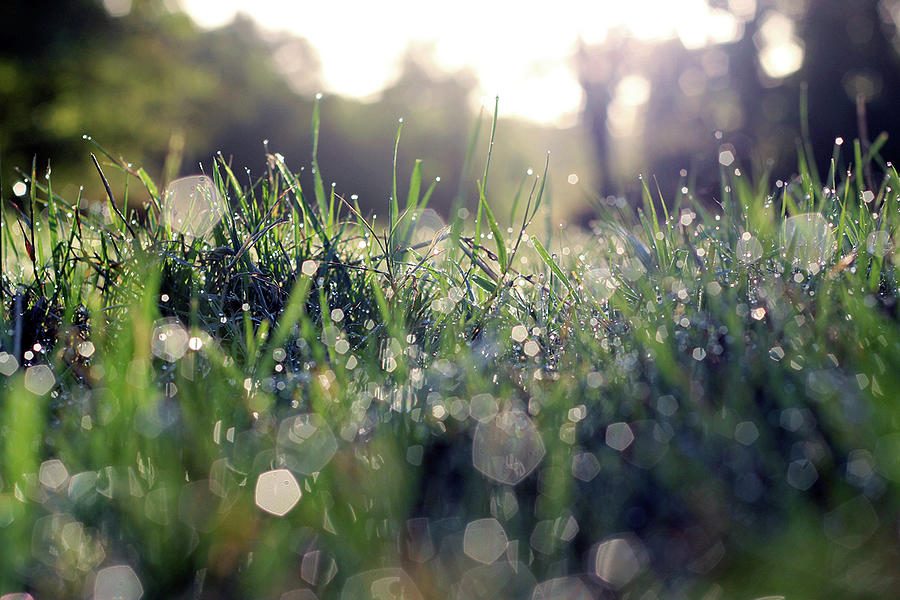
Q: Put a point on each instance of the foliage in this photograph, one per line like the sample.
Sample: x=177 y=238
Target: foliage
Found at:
x=166 y=94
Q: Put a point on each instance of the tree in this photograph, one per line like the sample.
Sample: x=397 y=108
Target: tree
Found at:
x=745 y=90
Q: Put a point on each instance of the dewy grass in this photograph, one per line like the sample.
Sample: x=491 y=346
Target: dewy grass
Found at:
x=686 y=401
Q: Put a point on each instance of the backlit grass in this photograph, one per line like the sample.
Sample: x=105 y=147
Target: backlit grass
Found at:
x=266 y=393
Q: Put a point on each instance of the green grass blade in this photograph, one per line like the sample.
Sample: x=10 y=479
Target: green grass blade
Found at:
x=554 y=268
x=318 y=185
x=495 y=229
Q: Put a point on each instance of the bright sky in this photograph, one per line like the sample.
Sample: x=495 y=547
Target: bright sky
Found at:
x=520 y=51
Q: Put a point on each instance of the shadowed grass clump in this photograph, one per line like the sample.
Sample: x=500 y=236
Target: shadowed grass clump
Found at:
x=265 y=393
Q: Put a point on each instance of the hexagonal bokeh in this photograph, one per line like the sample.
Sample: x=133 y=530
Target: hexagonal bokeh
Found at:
x=585 y=466
x=117 y=583
x=748 y=250
x=549 y=534
x=277 y=492
x=619 y=436
x=601 y=282
x=8 y=365
x=483 y=407
x=425 y=228
x=305 y=444
x=381 y=584
x=45 y=534
x=650 y=443
x=618 y=560
x=879 y=243
x=53 y=474
x=507 y=448
x=317 y=569
x=298 y=595
x=503 y=580
x=485 y=540
x=39 y=379
x=417 y=540
x=562 y=588
x=82 y=486
x=192 y=206
x=169 y=340
x=808 y=239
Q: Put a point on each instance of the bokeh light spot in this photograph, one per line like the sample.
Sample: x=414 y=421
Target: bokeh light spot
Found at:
x=277 y=492
x=170 y=339
x=117 y=583
x=618 y=560
x=53 y=474
x=381 y=584
x=192 y=206
x=39 y=379
x=809 y=240
x=561 y=588
x=485 y=540
x=619 y=436
x=508 y=448
x=305 y=444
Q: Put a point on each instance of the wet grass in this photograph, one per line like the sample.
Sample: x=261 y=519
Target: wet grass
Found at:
x=686 y=401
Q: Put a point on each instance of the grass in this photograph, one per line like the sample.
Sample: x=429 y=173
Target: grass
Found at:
x=687 y=401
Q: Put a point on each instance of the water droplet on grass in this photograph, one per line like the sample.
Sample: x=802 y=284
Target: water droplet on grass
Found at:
x=879 y=243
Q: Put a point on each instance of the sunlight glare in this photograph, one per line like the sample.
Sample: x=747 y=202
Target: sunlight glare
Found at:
x=780 y=52
x=524 y=55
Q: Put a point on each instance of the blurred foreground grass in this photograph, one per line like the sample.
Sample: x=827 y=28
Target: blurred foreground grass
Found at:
x=256 y=391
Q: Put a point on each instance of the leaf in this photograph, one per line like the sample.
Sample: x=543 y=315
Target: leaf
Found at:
x=485 y=284
x=28 y=247
x=498 y=237
x=553 y=266
x=415 y=185
x=412 y=200
x=319 y=186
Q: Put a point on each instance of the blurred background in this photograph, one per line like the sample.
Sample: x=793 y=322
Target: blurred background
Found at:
x=611 y=88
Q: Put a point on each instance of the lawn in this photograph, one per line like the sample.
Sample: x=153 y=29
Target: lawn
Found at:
x=248 y=388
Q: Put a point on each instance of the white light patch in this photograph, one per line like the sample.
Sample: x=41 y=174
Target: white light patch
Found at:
x=192 y=206
x=277 y=492
x=117 y=583
x=527 y=61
